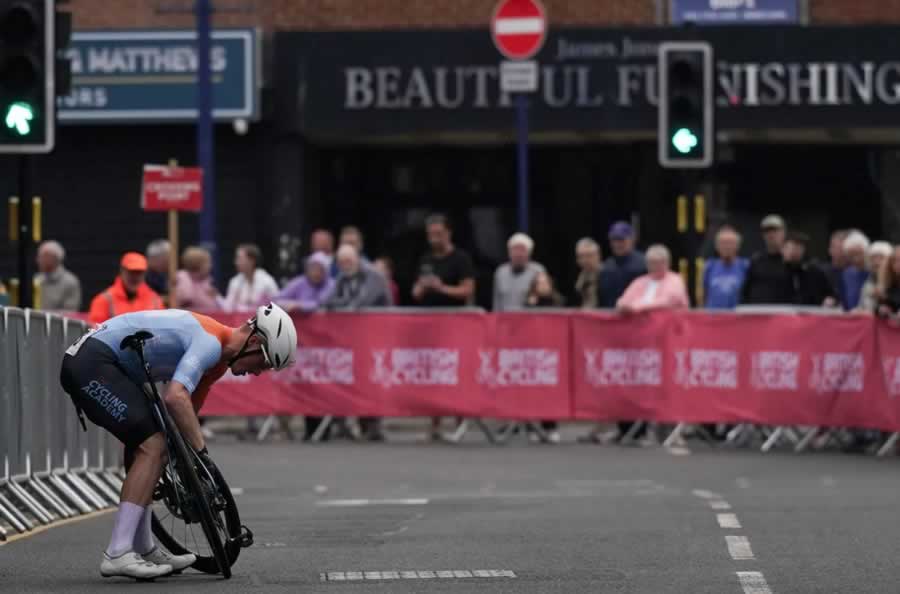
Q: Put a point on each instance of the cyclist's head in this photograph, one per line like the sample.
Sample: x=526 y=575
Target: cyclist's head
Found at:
x=271 y=342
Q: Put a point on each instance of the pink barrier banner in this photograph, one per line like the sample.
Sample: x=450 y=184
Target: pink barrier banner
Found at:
x=837 y=371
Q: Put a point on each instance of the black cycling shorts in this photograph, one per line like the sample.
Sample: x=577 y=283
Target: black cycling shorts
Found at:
x=108 y=397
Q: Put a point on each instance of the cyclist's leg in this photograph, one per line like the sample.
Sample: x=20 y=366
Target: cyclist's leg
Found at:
x=110 y=399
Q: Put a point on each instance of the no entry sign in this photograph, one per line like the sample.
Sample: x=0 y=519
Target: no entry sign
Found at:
x=519 y=28
x=172 y=188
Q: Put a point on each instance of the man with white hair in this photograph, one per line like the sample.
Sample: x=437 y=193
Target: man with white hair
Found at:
x=723 y=277
x=357 y=285
x=60 y=289
x=513 y=280
x=855 y=274
x=158 y=267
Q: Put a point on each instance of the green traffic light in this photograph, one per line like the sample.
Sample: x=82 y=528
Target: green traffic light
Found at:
x=684 y=140
x=18 y=118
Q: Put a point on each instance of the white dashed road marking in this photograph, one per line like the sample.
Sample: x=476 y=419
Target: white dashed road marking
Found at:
x=719 y=504
x=728 y=521
x=739 y=548
x=753 y=582
x=343 y=576
x=742 y=482
x=704 y=494
x=363 y=502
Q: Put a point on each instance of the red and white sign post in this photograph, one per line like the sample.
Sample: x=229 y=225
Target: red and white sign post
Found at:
x=519 y=29
x=170 y=188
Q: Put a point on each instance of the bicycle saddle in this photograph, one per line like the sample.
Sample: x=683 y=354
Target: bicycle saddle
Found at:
x=136 y=340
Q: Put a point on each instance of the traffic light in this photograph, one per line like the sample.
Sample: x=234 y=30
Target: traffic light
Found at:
x=27 y=76
x=686 y=105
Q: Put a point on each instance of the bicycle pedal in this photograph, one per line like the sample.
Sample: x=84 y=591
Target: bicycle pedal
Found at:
x=244 y=539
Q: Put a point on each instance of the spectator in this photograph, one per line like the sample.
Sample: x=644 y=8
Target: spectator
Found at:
x=542 y=293
x=251 y=285
x=4 y=296
x=129 y=293
x=854 y=275
x=660 y=288
x=322 y=240
x=158 y=267
x=446 y=278
x=879 y=253
x=351 y=235
x=889 y=286
x=587 y=286
x=194 y=287
x=385 y=266
x=357 y=287
x=309 y=291
x=835 y=267
x=767 y=279
x=513 y=279
x=724 y=276
x=622 y=267
x=60 y=289
x=808 y=284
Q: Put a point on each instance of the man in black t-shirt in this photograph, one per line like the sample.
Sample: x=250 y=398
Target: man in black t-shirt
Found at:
x=446 y=278
x=446 y=274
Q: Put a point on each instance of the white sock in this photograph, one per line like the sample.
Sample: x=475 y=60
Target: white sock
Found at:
x=143 y=538
x=127 y=519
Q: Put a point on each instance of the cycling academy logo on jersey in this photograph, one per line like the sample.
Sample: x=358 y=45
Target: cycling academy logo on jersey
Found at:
x=107 y=400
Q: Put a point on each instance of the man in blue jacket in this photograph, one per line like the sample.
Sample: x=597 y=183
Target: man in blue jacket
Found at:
x=623 y=266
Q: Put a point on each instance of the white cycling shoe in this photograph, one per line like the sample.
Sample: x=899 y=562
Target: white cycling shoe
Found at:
x=132 y=565
x=163 y=557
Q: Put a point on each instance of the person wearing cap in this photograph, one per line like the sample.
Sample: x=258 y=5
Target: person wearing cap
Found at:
x=622 y=267
x=808 y=283
x=513 y=280
x=767 y=279
x=129 y=293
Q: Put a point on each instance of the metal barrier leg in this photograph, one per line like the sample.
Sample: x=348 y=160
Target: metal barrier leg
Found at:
x=69 y=493
x=102 y=488
x=324 y=425
x=889 y=445
x=675 y=437
x=114 y=481
x=774 y=437
x=807 y=439
x=266 y=427
x=50 y=497
x=92 y=498
x=29 y=502
x=535 y=426
x=17 y=519
x=628 y=438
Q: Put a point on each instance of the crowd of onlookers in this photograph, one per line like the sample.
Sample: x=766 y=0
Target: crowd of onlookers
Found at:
x=858 y=276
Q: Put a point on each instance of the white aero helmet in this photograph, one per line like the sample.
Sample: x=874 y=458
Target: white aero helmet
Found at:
x=278 y=329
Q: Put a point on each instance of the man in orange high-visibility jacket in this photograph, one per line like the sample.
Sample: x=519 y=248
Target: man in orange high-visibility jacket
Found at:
x=128 y=294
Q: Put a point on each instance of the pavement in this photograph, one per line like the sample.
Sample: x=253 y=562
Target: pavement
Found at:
x=412 y=517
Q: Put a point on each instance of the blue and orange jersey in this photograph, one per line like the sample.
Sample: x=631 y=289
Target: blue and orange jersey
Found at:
x=186 y=348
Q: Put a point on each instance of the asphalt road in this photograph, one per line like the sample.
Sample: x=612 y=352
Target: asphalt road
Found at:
x=523 y=518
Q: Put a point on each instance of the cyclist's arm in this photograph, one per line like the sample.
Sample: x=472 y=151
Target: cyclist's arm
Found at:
x=211 y=377
x=202 y=355
x=178 y=401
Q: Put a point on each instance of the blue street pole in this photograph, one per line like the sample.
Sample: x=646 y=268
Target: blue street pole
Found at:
x=522 y=159
x=205 y=139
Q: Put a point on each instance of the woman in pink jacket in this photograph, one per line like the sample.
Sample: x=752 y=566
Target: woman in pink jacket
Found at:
x=660 y=288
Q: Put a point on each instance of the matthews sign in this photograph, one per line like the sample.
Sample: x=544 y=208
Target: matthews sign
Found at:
x=591 y=80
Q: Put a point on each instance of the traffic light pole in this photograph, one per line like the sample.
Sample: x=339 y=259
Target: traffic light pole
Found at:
x=25 y=234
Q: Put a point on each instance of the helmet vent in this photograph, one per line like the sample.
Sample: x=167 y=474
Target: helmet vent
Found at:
x=278 y=332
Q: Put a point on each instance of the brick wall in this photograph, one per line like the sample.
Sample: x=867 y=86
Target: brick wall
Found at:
x=348 y=14
x=367 y=14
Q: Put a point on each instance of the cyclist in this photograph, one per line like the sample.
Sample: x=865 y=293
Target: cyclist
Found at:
x=190 y=351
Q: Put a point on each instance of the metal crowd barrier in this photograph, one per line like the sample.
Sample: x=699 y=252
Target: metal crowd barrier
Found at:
x=51 y=468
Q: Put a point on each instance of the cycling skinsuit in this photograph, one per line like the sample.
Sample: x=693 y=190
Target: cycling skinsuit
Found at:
x=104 y=380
